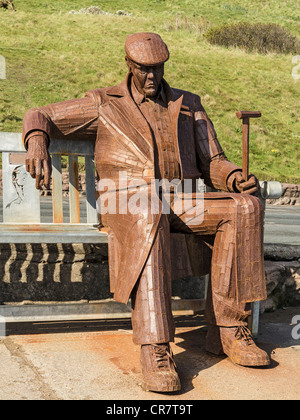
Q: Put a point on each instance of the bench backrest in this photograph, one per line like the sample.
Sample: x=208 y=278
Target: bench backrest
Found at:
x=21 y=201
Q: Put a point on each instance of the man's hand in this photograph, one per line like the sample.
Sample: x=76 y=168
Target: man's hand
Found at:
x=239 y=184
x=38 y=160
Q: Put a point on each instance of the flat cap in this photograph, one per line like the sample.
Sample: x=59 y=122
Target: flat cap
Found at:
x=146 y=48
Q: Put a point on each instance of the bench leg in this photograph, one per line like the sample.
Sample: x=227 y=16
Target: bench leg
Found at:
x=206 y=283
x=253 y=321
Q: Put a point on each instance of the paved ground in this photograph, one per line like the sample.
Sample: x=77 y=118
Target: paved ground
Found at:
x=97 y=361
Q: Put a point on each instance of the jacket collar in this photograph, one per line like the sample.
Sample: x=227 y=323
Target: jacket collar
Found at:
x=139 y=98
x=123 y=89
x=122 y=101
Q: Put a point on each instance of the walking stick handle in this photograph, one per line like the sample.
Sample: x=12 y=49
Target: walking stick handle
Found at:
x=248 y=114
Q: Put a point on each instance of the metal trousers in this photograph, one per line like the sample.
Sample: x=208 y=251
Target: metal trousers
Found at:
x=152 y=319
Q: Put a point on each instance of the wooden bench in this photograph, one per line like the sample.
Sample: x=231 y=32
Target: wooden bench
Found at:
x=22 y=225
x=21 y=201
x=22 y=215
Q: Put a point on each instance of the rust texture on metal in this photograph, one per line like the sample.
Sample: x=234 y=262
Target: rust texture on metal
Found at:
x=245 y=161
x=248 y=114
x=153 y=131
x=245 y=116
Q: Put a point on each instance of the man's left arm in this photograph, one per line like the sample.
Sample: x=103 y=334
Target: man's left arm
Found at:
x=217 y=170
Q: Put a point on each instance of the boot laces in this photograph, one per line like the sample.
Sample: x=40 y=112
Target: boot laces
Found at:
x=243 y=333
x=163 y=355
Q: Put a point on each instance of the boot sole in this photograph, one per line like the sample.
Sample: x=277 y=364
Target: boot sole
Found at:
x=250 y=364
x=170 y=388
x=245 y=364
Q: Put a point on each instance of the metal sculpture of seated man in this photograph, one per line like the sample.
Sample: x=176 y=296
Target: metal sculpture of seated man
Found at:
x=149 y=131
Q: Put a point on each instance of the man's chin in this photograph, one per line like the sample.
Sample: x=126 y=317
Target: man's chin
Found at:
x=150 y=92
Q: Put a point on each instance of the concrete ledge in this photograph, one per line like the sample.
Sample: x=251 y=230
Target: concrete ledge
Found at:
x=106 y=309
x=290 y=196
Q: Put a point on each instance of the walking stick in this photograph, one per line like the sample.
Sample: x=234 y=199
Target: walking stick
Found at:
x=245 y=116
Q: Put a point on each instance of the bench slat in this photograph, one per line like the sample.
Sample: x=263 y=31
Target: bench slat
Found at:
x=74 y=190
x=57 y=189
x=48 y=233
x=90 y=190
x=72 y=147
x=11 y=142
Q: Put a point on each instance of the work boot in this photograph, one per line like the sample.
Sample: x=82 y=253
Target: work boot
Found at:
x=237 y=343
x=159 y=369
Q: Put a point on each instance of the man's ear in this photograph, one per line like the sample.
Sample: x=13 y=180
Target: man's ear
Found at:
x=128 y=62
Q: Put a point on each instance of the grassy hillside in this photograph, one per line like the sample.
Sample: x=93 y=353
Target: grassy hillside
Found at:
x=52 y=55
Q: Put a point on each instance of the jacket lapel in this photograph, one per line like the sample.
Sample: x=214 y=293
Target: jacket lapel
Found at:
x=122 y=103
x=130 y=121
x=122 y=129
x=174 y=106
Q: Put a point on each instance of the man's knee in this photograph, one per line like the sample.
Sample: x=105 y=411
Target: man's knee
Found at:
x=256 y=204
x=249 y=204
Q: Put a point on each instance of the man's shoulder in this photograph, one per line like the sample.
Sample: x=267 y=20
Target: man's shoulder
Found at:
x=190 y=99
x=103 y=95
x=98 y=94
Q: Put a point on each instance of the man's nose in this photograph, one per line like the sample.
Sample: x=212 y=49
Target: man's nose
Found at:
x=150 y=74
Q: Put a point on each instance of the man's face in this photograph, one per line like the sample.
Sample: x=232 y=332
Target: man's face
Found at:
x=147 y=79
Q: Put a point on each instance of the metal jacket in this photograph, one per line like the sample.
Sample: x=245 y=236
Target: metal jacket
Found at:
x=124 y=142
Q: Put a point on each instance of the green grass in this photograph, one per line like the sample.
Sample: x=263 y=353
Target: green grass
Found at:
x=52 y=56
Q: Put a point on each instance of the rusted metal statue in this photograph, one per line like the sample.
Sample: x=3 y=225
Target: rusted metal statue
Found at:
x=151 y=131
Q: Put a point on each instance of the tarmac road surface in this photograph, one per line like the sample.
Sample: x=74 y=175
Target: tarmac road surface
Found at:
x=282 y=225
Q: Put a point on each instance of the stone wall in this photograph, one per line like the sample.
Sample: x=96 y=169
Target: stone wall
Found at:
x=35 y=273
x=290 y=196
x=283 y=284
x=53 y=272
x=282 y=268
